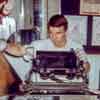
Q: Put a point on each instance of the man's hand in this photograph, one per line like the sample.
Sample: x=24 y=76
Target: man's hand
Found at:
x=82 y=57
x=86 y=65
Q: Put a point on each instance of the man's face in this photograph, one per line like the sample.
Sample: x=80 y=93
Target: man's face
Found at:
x=57 y=34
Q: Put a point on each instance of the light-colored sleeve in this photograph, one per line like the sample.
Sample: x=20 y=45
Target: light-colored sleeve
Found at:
x=9 y=27
x=12 y=24
x=79 y=50
x=82 y=56
x=80 y=53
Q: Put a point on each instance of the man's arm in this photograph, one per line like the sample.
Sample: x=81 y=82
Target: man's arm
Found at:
x=86 y=66
x=81 y=55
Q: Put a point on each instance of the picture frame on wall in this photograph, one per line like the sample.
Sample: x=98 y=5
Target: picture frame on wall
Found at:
x=89 y=7
x=77 y=27
x=96 y=31
x=93 y=35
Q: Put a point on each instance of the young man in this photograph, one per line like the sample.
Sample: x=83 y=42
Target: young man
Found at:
x=58 y=40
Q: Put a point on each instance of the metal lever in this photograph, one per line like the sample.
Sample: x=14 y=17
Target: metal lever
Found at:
x=54 y=78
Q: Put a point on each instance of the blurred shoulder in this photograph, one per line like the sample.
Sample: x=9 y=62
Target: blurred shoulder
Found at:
x=40 y=44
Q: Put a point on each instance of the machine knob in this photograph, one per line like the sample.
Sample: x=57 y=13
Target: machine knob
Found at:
x=44 y=91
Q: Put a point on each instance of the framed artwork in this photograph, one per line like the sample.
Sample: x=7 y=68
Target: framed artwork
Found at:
x=90 y=7
x=77 y=27
x=96 y=31
x=93 y=35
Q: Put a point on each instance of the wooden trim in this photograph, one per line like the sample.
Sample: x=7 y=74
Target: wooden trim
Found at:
x=92 y=49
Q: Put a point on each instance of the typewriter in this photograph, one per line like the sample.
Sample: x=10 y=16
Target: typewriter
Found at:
x=59 y=73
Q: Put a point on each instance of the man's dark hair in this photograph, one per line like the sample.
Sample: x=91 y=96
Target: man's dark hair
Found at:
x=57 y=21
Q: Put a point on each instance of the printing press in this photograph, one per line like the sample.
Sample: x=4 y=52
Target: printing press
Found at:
x=57 y=72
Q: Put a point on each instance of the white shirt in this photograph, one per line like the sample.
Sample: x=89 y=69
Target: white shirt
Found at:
x=7 y=28
x=48 y=45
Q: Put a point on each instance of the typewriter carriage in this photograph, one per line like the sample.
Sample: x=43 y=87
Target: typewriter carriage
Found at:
x=58 y=63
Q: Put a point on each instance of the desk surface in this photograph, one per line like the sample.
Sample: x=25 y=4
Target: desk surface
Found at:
x=51 y=97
